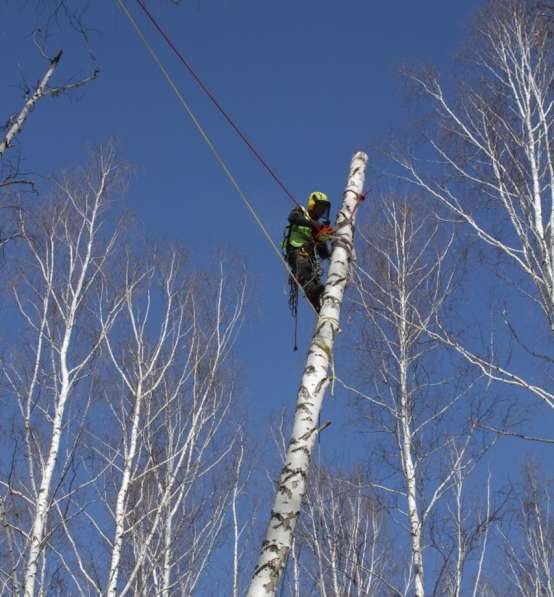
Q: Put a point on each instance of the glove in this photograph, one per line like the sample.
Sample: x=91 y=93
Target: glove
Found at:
x=324 y=234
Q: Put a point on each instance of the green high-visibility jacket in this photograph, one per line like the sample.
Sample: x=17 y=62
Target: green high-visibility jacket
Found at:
x=301 y=232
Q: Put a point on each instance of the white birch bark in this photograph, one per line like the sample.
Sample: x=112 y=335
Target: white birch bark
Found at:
x=39 y=92
x=123 y=491
x=238 y=528
x=409 y=470
x=292 y=483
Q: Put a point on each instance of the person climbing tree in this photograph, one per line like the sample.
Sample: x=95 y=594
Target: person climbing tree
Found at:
x=305 y=243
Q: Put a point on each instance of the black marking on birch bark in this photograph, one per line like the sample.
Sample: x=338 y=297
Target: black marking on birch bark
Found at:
x=321 y=326
x=288 y=473
x=335 y=302
x=345 y=244
x=285 y=490
x=305 y=406
x=306 y=435
x=303 y=393
x=284 y=520
x=338 y=281
x=309 y=370
x=274 y=567
x=320 y=384
x=302 y=449
x=270 y=546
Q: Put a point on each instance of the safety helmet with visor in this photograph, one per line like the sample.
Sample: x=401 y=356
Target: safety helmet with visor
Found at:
x=319 y=206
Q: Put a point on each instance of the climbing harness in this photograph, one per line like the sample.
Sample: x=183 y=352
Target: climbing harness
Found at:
x=298 y=247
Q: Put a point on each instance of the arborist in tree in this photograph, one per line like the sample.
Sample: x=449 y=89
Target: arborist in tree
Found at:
x=305 y=243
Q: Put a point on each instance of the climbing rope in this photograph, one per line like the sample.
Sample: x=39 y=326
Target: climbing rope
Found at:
x=217 y=104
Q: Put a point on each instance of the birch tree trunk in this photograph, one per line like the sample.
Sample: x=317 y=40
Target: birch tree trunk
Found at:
x=407 y=459
x=17 y=123
x=292 y=484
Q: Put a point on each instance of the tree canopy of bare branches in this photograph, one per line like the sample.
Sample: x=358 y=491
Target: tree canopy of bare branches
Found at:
x=118 y=390
x=492 y=167
x=426 y=410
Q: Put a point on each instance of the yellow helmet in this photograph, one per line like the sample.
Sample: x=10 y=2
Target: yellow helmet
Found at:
x=316 y=196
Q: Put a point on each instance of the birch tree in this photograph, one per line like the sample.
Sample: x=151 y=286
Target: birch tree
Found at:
x=172 y=464
x=292 y=484
x=15 y=124
x=529 y=541
x=427 y=416
x=12 y=180
x=491 y=166
x=461 y=535
x=32 y=96
x=49 y=381
x=342 y=547
x=127 y=462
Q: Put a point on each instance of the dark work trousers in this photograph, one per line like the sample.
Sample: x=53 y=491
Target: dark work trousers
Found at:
x=306 y=270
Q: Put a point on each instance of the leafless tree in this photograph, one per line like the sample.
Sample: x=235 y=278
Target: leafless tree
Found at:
x=126 y=460
x=427 y=413
x=168 y=468
x=492 y=168
x=529 y=540
x=49 y=379
x=12 y=180
x=32 y=97
x=460 y=536
x=342 y=546
x=167 y=457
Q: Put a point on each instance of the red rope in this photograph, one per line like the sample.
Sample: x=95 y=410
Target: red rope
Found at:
x=215 y=102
